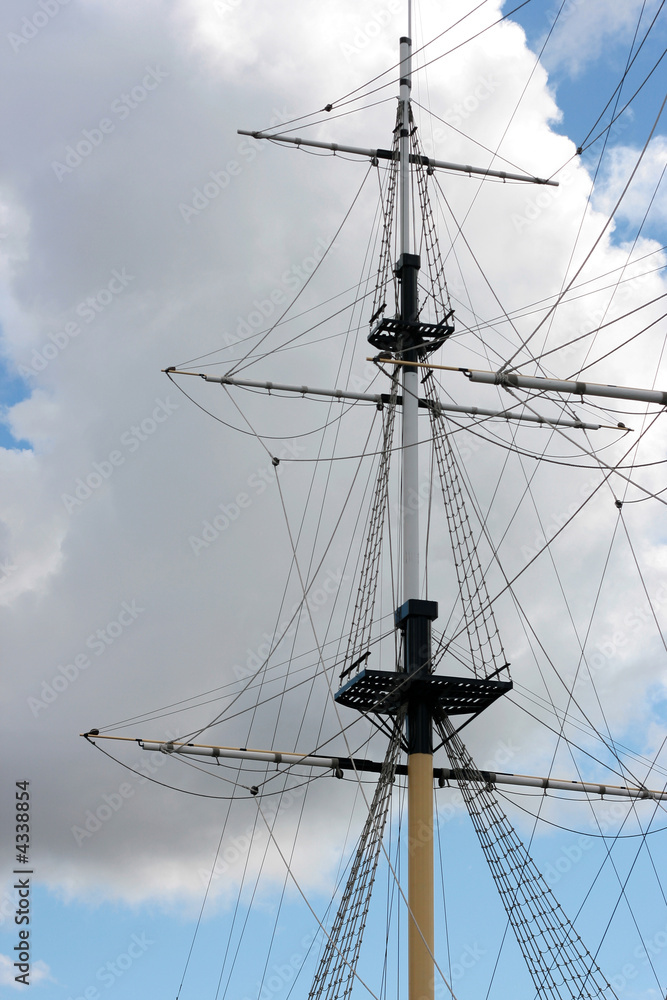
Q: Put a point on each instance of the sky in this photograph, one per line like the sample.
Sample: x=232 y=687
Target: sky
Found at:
x=147 y=538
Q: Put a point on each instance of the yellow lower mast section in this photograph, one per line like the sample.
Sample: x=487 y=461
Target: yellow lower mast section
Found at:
x=420 y=876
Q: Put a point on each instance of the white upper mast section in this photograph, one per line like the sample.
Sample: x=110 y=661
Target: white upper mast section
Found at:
x=404 y=144
x=410 y=377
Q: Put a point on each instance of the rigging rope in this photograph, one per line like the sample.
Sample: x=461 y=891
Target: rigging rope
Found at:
x=439 y=292
x=362 y=621
x=508 y=365
x=561 y=966
x=335 y=975
x=486 y=649
x=388 y=211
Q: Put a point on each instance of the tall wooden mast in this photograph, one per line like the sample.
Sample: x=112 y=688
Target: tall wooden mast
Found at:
x=414 y=616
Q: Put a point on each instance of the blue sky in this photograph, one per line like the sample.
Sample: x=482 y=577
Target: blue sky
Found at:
x=12 y=390
x=107 y=609
x=124 y=951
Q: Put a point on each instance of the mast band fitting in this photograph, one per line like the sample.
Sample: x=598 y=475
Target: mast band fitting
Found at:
x=415 y=609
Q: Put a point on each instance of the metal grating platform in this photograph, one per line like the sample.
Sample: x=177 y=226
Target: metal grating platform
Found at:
x=384 y=692
x=386 y=334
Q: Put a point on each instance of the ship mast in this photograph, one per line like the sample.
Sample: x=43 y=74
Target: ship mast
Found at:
x=411 y=692
x=414 y=615
x=407 y=271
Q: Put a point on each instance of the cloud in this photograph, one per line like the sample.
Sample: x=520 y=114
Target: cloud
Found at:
x=584 y=31
x=39 y=972
x=106 y=282
x=645 y=194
